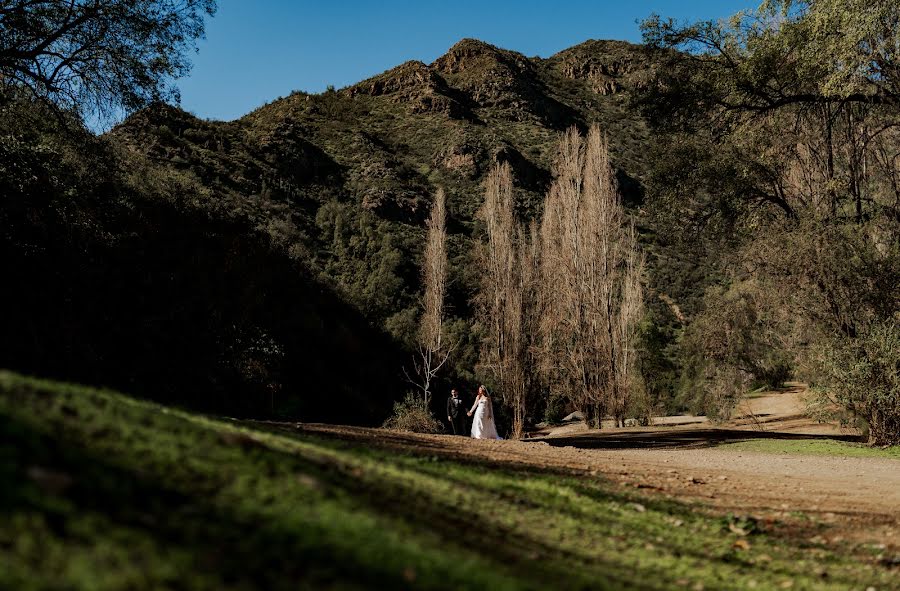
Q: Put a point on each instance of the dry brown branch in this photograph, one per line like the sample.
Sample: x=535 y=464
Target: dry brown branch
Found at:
x=507 y=301
x=590 y=281
x=434 y=350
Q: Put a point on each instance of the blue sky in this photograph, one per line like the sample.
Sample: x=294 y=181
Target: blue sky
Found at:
x=258 y=50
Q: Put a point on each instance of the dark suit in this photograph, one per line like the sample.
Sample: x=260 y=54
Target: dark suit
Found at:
x=456 y=412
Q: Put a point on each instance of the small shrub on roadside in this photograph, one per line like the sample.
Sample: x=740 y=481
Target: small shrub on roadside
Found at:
x=557 y=408
x=410 y=414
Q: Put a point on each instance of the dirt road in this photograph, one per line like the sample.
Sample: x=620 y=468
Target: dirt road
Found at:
x=835 y=498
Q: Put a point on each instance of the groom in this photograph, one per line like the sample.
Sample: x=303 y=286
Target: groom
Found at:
x=456 y=413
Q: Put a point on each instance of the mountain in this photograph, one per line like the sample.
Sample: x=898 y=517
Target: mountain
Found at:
x=277 y=254
x=301 y=166
x=388 y=141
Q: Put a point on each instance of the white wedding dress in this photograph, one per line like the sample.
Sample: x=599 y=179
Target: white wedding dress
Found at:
x=483 y=420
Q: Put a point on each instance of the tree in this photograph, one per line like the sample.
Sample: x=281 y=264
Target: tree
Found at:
x=508 y=298
x=434 y=350
x=98 y=56
x=857 y=43
x=862 y=375
x=797 y=101
x=590 y=272
x=787 y=52
x=792 y=112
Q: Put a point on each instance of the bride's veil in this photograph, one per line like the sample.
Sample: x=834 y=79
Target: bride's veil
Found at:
x=490 y=403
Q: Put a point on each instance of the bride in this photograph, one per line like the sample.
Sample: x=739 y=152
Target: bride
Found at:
x=483 y=423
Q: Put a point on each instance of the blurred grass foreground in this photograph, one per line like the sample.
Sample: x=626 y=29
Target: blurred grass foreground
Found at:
x=102 y=491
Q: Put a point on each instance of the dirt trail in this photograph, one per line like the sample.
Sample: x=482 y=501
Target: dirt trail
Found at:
x=834 y=498
x=860 y=497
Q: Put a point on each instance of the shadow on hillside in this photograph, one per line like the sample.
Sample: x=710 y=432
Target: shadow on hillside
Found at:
x=677 y=438
x=220 y=545
x=169 y=304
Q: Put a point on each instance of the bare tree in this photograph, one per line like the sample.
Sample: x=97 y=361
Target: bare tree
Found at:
x=434 y=350
x=590 y=275
x=507 y=303
x=628 y=315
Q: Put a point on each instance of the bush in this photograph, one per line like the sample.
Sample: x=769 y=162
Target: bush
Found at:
x=557 y=408
x=640 y=407
x=410 y=414
x=732 y=344
x=862 y=375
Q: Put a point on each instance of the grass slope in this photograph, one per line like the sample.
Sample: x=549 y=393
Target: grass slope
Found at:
x=101 y=491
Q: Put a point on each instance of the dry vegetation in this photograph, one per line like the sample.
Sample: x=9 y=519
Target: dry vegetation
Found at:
x=434 y=348
x=591 y=271
x=561 y=299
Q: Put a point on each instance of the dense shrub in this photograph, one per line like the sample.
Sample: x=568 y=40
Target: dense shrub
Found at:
x=862 y=375
x=730 y=346
x=125 y=275
x=557 y=408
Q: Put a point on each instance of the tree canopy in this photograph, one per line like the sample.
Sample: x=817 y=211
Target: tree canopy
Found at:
x=785 y=53
x=98 y=56
x=778 y=139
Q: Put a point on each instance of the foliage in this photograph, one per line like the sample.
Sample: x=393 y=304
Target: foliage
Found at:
x=657 y=366
x=412 y=414
x=784 y=54
x=334 y=187
x=558 y=406
x=790 y=113
x=770 y=171
x=863 y=376
x=843 y=294
x=732 y=345
x=367 y=259
x=111 y=258
x=754 y=94
x=94 y=56
x=856 y=39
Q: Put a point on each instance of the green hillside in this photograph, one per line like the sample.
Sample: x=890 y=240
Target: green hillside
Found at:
x=344 y=179
x=102 y=491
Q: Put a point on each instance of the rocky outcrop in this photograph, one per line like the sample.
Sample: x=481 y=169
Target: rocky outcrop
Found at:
x=410 y=77
x=415 y=84
x=473 y=55
x=501 y=80
x=462 y=156
x=604 y=64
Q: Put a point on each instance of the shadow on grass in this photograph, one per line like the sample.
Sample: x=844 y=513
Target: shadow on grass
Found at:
x=514 y=548
x=220 y=546
x=238 y=546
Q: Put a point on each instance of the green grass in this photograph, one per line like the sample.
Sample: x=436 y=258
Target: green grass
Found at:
x=817 y=447
x=101 y=491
